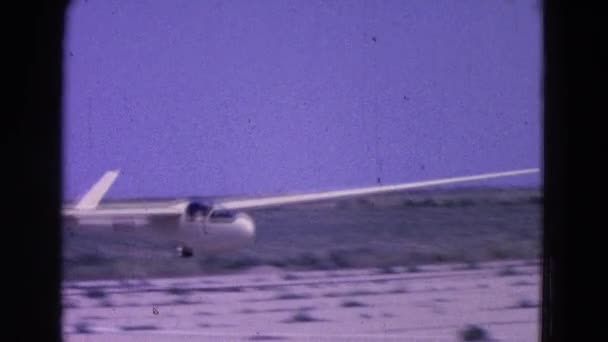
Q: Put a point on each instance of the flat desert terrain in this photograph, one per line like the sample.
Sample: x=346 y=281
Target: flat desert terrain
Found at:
x=440 y=265
x=496 y=301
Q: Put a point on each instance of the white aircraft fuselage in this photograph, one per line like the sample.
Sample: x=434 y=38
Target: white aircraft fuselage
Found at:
x=217 y=233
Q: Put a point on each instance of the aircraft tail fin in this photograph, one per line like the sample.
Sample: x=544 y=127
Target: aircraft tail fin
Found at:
x=92 y=198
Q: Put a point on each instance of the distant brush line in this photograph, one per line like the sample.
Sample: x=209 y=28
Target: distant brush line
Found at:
x=467 y=202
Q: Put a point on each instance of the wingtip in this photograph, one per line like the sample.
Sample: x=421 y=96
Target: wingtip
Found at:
x=114 y=172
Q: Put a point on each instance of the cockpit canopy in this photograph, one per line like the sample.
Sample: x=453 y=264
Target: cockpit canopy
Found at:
x=223 y=215
x=196 y=208
x=202 y=209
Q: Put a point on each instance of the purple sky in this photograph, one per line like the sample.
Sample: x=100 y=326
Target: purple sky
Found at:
x=249 y=97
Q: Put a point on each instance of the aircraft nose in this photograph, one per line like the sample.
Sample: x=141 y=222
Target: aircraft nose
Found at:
x=248 y=228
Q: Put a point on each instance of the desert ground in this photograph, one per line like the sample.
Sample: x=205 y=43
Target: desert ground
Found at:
x=497 y=301
x=442 y=265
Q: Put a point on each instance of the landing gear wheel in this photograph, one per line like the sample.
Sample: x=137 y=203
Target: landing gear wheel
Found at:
x=184 y=251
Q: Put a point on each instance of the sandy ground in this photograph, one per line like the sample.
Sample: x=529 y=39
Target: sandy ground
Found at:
x=433 y=303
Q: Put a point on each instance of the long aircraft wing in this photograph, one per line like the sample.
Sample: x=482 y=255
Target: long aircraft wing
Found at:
x=340 y=194
x=88 y=206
